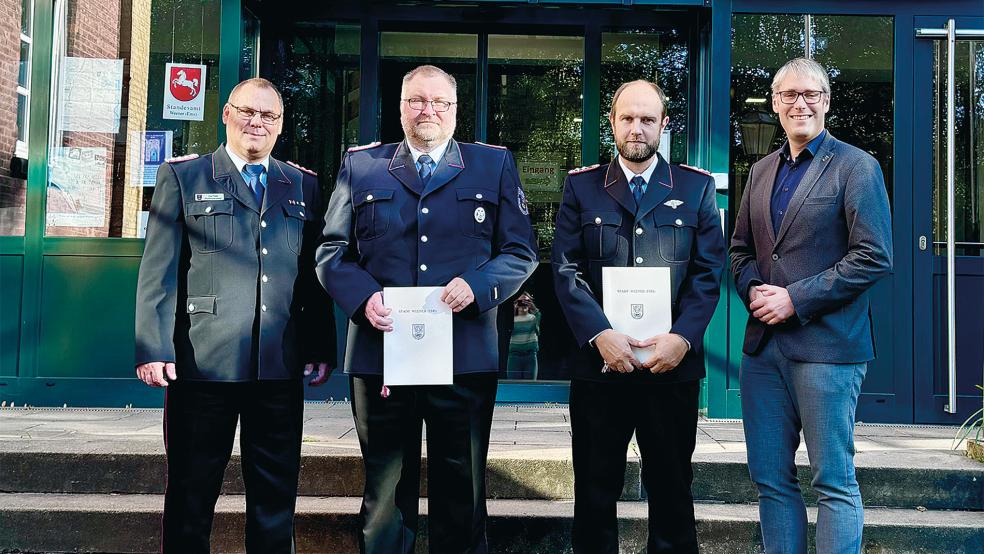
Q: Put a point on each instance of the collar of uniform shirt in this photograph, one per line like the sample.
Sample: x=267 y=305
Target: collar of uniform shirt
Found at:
x=811 y=147
x=435 y=154
x=629 y=174
x=241 y=163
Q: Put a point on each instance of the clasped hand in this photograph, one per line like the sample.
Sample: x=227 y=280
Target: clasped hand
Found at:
x=616 y=350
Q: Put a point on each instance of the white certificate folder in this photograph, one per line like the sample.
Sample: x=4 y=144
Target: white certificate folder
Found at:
x=420 y=348
x=638 y=302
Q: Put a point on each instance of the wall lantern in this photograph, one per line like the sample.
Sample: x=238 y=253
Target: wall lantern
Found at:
x=757 y=131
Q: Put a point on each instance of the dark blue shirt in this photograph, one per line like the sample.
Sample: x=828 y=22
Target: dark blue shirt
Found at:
x=789 y=176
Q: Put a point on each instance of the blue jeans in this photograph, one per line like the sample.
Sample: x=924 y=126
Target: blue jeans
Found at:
x=780 y=397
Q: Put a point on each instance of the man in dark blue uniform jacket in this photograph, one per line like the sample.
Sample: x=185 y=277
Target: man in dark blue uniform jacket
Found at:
x=228 y=311
x=428 y=211
x=637 y=211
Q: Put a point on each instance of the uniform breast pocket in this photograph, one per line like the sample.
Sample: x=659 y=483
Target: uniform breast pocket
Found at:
x=676 y=234
x=599 y=233
x=210 y=225
x=476 y=211
x=373 y=209
x=296 y=217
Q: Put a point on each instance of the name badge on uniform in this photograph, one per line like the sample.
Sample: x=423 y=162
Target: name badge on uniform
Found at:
x=208 y=197
x=479 y=214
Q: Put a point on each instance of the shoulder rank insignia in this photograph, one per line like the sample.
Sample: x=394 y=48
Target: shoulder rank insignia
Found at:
x=181 y=158
x=697 y=169
x=577 y=170
x=364 y=147
x=301 y=167
x=491 y=145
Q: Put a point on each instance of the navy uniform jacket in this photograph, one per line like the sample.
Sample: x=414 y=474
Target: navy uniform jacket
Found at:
x=384 y=228
x=219 y=271
x=598 y=226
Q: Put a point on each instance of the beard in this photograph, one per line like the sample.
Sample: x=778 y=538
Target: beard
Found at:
x=423 y=133
x=637 y=152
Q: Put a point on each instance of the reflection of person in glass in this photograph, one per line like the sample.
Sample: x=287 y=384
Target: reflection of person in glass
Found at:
x=813 y=234
x=228 y=311
x=427 y=211
x=524 y=343
x=637 y=211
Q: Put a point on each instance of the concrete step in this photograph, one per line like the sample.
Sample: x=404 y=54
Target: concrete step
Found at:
x=131 y=523
x=942 y=480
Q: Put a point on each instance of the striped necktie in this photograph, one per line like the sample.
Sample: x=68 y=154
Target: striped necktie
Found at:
x=425 y=162
x=638 y=187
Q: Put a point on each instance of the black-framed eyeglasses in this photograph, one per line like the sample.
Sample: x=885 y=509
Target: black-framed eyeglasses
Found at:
x=419 y=104
x=248 y=113
x=791 y=96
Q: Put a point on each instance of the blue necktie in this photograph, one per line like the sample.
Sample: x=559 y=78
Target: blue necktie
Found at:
x=638 y=187
x=425 y=171
x=252 y=173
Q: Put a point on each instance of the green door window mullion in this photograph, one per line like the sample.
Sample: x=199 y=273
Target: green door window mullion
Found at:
x=591 y=96
x=482 y=88
x=230 y=49
x=37 y=184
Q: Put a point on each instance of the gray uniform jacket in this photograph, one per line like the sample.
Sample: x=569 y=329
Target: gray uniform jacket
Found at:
x=835 y=241
x=227 y=288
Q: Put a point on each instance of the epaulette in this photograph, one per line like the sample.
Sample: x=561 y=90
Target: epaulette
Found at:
x=364 y=147
x=302 y=168
x=184 y=158
x=491 y=145
x=697 y=169
x=577 y=170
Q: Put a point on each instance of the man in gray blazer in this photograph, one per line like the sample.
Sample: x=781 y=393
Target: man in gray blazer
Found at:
x=228 y=311
x=813 y=234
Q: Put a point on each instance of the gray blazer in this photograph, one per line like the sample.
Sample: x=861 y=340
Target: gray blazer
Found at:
x=835 y=241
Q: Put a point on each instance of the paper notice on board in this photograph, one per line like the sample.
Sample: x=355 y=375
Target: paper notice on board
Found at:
x=148 y=151
x=638 y=302
x=420 y=348
x=77 y=187
x=90 y=94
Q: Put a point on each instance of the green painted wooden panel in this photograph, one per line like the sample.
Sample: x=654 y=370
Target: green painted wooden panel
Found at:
x=11 y=287
x=87 y=316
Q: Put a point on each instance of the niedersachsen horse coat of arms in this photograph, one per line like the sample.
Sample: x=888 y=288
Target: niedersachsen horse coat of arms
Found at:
x=637 y=311
x=417 y=330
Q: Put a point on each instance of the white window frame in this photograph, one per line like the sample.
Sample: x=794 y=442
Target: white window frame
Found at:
x=21 y=146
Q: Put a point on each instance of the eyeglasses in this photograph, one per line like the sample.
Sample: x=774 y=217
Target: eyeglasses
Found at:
x=419 y=104
x=791 y=96
x=248 y=113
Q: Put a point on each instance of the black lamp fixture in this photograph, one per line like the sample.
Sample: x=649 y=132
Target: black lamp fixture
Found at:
x=757 y=131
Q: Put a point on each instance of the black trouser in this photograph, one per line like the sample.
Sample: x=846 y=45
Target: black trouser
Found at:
x=459 y=419
x=664 y=418
x=199 y=430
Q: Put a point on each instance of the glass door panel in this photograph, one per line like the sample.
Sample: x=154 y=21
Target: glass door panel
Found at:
x=400 y=52
x=535 y=109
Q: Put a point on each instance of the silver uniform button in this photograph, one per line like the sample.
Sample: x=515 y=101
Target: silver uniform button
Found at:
x=639 y=260
x=597 y=221
x=263 y=307
x=423 y=238
x=479 y=196
x=191 y=307
x=265 y=251
x=638 y=230
x=208 y=209
x=423 y=267
x=263 y=224
x=679 y=222
x=264 y=278
x=424 y=211
x=302 y=214
x=368 y=197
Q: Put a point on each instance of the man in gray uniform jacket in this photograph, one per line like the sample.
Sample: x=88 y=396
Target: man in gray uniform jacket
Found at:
x=228 y=311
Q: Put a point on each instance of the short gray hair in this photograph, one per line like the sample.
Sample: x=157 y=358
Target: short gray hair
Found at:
x=802 y=67
x=430 y=70
x=258 y=82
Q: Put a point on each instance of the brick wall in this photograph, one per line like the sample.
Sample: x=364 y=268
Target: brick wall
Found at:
x=12 y=191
